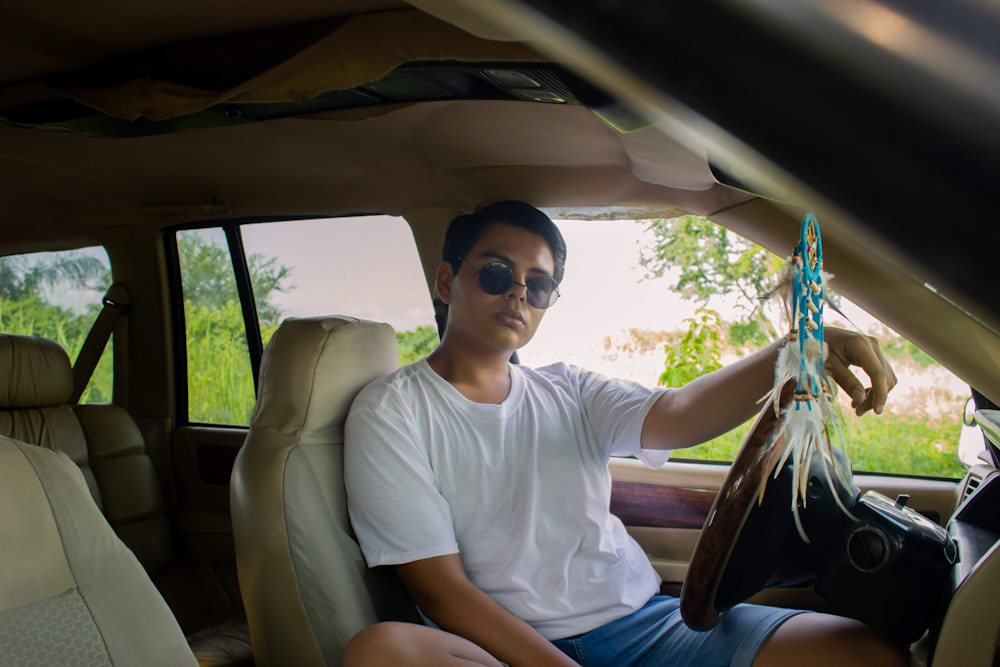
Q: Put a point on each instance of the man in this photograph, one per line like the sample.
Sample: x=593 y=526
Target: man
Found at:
x=485 y=484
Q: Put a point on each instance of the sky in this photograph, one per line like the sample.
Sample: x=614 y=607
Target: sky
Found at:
x=337 y=268
x=605 y=293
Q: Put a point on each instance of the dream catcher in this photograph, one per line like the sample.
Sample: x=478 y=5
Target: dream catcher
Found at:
x=811 y=420
x=742 y=548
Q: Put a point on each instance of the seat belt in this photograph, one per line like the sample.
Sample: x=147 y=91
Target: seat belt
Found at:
x=115 y=304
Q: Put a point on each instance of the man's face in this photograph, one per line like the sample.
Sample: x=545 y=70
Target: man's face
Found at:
x=503 y=321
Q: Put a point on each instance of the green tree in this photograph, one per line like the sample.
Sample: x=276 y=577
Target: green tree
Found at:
x=22 y=276
x=416 y=344
x=695 y=352
x=713 y=261
x=208 y=277
x=33 y=316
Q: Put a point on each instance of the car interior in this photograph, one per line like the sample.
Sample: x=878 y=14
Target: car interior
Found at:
x=143 y=523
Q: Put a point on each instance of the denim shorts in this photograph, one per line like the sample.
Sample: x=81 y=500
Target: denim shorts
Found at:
x=656 y=635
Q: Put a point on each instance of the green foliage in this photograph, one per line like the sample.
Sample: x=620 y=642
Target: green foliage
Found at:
x=208 y=280
x=899 y=348
x=32 y=316
x=890 y=443
x=722 y=449
x=748 y=334
x=911 y=445
x=696 y=352
x=712 y=261
x=220 y=384
x=416 y=344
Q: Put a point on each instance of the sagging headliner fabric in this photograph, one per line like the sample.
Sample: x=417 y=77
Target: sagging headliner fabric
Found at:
x=361 y=49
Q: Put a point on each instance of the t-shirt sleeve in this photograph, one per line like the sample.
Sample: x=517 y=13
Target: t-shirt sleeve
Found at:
x=616 y=410
x=396 y=510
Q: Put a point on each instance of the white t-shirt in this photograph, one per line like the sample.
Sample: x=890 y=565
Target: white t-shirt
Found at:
x=521 y=489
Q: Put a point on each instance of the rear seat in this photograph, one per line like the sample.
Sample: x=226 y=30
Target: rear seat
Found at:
x=36 y=384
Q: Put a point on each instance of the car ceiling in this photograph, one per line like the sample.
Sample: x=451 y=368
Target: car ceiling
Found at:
x=40 y=39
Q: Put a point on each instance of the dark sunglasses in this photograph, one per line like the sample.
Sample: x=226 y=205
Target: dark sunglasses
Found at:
x=496 y=278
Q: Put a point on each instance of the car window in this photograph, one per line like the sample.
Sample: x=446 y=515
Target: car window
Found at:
x=620 y=313
x=57 y=295
x=616 y=316
x=365 y=266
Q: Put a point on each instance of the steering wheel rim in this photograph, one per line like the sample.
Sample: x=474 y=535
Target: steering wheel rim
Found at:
x=700 y=604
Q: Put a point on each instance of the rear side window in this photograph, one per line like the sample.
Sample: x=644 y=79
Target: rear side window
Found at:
x=365 y=267
x=57 y=295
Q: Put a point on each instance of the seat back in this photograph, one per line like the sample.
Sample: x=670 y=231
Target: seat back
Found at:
x=305 y=585
x=36 y=384
x=71 y=592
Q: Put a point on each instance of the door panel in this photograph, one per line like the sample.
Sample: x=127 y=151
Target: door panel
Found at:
x=664 y=510
x=203 y=459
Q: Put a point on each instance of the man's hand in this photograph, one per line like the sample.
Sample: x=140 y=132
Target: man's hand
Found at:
x=846 y=349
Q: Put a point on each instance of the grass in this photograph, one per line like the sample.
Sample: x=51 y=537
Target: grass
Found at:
x=888 y=443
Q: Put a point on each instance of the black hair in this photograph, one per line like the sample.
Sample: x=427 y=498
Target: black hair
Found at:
x=465 y=230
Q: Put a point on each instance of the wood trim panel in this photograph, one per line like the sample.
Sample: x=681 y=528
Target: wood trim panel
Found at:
x=656 y=506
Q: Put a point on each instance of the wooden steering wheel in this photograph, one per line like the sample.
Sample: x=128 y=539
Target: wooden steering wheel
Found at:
x=749 y=543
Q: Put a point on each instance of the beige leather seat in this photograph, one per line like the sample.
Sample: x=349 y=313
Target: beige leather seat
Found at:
x=305 y=585
x=36 y=384
x=71 y=593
